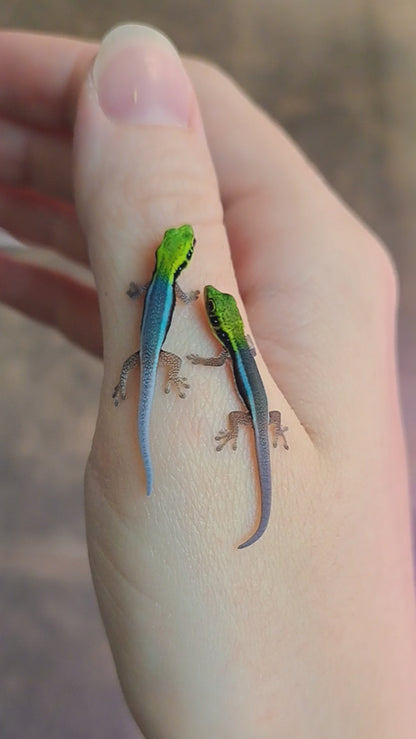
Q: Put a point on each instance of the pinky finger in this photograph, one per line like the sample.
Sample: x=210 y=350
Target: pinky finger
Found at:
x=54 y=299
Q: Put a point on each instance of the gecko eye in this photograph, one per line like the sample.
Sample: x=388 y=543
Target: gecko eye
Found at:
x=189 y=254
x=214 y=320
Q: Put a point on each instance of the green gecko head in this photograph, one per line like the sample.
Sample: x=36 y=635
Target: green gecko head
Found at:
x=175 y=251
x=225 y=319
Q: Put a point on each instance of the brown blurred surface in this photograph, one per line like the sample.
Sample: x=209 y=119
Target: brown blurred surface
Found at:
x=341 y=80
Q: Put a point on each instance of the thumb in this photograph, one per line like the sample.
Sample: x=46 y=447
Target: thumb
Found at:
x=142 y=166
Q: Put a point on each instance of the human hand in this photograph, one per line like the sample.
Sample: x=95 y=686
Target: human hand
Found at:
x=310 y=632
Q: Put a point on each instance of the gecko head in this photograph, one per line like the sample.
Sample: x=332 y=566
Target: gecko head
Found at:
x=175 y=251
x=223 y=315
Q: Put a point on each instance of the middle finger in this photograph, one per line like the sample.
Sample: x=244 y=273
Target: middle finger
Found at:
x=36 y=159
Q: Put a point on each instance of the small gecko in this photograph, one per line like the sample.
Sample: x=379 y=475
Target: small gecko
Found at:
x=227 y=325
x=172 y=256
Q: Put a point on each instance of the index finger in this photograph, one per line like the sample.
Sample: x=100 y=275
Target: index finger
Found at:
x=32 y=90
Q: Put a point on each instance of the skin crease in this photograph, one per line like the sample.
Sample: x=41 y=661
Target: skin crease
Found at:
x=311 y=632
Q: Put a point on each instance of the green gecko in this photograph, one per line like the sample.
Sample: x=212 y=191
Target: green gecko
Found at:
x=227 y=325
x=172 y=256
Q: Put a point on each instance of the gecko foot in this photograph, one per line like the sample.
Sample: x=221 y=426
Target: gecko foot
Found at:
x=281 y=432
x=186 y=297
x=194 y=358
x=180 y=384
x=192 y=295
x=119 y=393
x=173 y=363
x=224 y=437
x=277 y=429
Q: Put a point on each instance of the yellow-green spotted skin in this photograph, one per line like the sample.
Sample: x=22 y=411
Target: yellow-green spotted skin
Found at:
x=227 y=325
x=172 y=256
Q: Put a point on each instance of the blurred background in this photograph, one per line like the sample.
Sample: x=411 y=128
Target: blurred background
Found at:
x=340 y=77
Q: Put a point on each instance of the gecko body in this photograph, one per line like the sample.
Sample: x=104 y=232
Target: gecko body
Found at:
x=227 y=325
x=172 y=256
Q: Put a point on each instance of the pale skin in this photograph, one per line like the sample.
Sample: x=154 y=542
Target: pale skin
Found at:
x=311 y=632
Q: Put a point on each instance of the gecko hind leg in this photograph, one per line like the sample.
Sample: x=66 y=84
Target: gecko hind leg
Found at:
x=119 y=392
x=275 y=421
x=242 y=418
x=235 y=419
x=173 y=363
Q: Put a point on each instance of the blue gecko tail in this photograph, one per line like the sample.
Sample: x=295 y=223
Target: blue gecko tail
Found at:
x=147 y=385
x=143 y=435
x=264 y=520
x=263 y=459
x=149 y=479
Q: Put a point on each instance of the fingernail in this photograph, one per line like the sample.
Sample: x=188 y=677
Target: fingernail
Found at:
x=139 y=78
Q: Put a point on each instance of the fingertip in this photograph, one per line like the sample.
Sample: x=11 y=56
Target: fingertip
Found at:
x=139 y=78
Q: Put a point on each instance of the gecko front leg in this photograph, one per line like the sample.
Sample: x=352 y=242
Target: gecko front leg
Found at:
x=217 y=361
x=186 y=297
